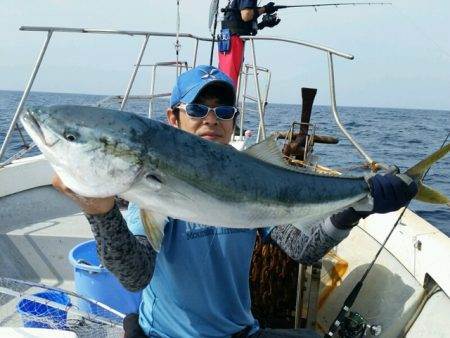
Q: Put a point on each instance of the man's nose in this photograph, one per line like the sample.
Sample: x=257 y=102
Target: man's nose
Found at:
x=211 y=117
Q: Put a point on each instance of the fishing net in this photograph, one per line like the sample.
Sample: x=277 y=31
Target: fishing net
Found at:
x=28 y=304
x=273 y=285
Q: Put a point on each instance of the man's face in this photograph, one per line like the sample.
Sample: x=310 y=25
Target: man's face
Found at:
x=210 y=128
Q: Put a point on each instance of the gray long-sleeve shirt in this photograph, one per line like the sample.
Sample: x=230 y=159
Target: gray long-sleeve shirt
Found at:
x=132 y=259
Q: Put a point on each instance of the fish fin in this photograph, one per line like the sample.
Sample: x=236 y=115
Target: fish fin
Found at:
x=430 y=195
x=267 y=151
x=153 y=223
x=426 y=193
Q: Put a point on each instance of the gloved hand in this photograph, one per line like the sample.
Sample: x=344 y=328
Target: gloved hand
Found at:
x=270 y=8
x=391 y=192
x=268 y=21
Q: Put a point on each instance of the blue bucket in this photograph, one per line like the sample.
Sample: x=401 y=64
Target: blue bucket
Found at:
x=39 y=315
x=96 y=282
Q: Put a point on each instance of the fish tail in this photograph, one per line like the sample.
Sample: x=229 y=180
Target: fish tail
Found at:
x=426 y=193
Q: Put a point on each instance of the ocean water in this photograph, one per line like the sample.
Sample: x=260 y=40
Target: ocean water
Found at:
x=399 y=137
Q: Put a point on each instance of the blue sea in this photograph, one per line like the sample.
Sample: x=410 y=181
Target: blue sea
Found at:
x=399 y=137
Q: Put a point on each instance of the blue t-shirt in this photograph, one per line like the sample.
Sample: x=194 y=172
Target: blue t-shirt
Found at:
x=200 y=286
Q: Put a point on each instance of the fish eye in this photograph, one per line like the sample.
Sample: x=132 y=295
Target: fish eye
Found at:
x=70 y=136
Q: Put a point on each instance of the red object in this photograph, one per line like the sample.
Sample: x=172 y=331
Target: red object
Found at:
x=230 y=62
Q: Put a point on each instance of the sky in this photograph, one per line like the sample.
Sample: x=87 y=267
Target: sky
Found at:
x=402 y=54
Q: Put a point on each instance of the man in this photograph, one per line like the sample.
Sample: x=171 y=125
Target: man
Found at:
x=240 y=18
x=195 y=281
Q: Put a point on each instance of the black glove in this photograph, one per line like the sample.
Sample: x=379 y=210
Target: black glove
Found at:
x=347 y=218
x=268 y=21
x=390 y=192
x=270 y=8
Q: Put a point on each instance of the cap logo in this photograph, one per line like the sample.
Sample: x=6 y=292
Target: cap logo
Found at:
x=209 y=74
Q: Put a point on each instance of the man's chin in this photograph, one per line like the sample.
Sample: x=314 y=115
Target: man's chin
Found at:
x=214 y=138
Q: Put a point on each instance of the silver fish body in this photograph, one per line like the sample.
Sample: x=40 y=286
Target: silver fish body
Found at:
x=102 y=152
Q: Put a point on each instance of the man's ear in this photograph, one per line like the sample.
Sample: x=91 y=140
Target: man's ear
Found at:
x=171 y=118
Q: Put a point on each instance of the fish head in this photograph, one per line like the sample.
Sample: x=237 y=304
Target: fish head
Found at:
x=93 y=150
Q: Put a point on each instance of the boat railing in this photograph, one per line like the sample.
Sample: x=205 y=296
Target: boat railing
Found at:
x=248 y=70
x=330 y=53
x=52 y=30
x=146 y=35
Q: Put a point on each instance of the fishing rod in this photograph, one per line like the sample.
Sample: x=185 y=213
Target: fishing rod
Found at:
x=335 y=4
x=341 y=318
x=223 y=10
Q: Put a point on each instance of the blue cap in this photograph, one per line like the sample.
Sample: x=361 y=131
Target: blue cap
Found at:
x=190 y=83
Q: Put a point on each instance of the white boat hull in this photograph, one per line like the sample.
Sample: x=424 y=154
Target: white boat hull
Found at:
x=39 y=226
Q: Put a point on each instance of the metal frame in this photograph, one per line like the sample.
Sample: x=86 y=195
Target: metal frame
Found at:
x=308 y=290
x=179 y=66
x=330 y=52
x=260 y=101
x=51 y=30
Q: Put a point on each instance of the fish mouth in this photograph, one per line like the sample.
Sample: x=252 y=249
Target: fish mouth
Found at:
x=29 y=121
x=33 y=127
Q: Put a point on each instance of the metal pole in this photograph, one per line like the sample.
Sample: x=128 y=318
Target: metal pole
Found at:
x=25 y=93
x=136 y=68
x=214 y=34
x=194 y=57
x=336 y=114
x=261 y=127
x=177 y=42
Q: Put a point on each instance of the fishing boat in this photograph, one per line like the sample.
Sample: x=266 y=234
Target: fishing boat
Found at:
x=380 y=281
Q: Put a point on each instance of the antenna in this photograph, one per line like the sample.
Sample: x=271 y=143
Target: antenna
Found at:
x=213 y=13
x=177 y=41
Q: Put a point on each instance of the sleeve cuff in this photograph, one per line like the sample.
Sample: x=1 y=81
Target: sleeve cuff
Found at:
x=345 y=219
x=334 y=232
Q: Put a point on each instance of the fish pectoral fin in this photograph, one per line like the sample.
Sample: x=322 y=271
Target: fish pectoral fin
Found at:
x=153 y=223
x=426 y=193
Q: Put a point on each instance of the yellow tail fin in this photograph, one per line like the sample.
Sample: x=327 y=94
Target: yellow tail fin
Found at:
x=425 y=193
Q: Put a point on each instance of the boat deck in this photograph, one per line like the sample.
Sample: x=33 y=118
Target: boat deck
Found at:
x=39 y=227
x=38 y=251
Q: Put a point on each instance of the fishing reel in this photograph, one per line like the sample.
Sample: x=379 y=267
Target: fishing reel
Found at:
x=356 y=326
x=269 y=20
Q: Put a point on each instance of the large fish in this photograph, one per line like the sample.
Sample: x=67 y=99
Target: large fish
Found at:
x=102 y=152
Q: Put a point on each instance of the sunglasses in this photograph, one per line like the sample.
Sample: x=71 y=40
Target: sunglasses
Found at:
x=200 y=111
